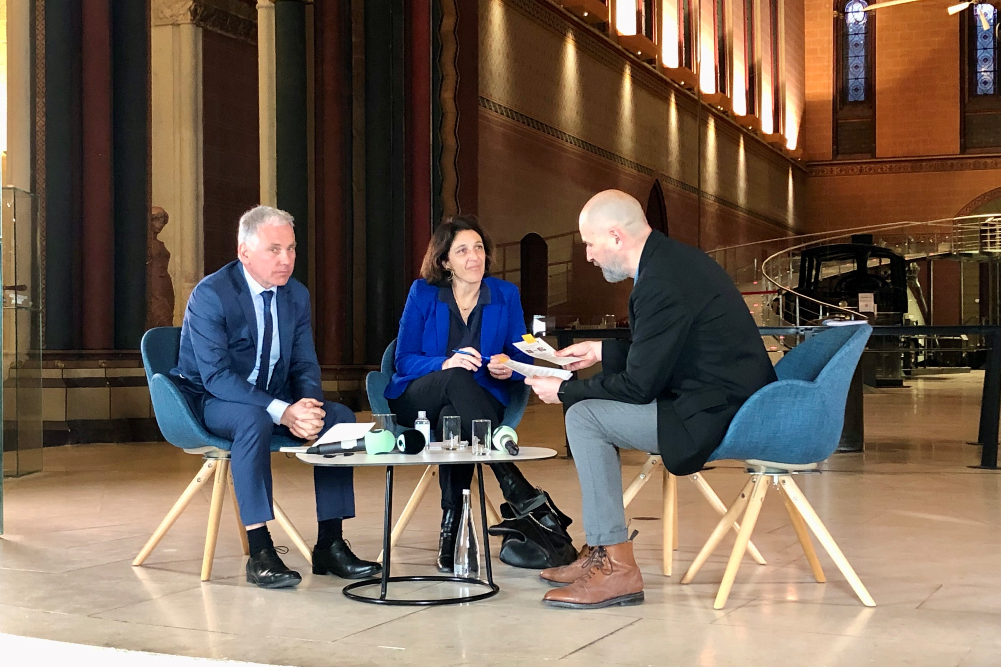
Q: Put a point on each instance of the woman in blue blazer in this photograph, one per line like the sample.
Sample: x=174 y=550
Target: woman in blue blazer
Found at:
x=457 y=306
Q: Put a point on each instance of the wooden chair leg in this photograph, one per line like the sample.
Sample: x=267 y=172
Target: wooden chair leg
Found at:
x=215 y=514
x=408 y=512
x=714 y=501
x=803 y=535
x=292 y=533
x=670 y=521
x=675 y=510
x=743 y=537
x=203 y=476
x=239 y=522
x=797 y=498
x=721 y=529
x=640 y=480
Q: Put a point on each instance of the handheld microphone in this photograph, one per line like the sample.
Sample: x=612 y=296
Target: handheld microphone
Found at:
x=411 y=441
x=379 y=441
x=332 y=448
x=506 y=440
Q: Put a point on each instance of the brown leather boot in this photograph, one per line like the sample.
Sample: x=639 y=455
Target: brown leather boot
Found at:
x=567 y=574
x=613 y=578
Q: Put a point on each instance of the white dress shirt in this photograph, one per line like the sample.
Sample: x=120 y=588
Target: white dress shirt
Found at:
x=276 y=408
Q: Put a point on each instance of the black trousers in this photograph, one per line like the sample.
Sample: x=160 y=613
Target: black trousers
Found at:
x=456 y=392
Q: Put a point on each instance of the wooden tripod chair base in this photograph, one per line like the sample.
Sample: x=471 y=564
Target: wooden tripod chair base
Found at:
x=801 y=513
x=217 y=468
x=670 y=508
x=430 y=473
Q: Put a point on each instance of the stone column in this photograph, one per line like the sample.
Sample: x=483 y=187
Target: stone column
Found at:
x=176 y=57
x=98 y=234
x=291 y=132
x=267 y=110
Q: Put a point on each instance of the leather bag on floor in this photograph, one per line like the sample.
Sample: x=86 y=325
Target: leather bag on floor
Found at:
x=535 y=534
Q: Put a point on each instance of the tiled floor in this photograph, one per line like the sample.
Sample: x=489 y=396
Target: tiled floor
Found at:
x=921 y=528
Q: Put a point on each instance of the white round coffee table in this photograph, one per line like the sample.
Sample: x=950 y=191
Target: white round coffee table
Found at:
x=425 y=458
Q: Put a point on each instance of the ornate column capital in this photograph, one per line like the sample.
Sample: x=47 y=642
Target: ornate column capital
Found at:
x=228 y=17
x=173 y=12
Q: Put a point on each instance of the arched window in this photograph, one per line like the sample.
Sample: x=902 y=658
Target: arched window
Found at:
x=719 y=32
x=984 y=68
x=686 y=34
x=981 y=117
x=856 y=25
x=854 y=104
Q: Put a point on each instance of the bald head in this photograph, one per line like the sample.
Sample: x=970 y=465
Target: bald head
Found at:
x=614 y=230
x=614 y=208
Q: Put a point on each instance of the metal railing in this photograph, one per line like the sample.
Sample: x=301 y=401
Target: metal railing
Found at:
x=772 y=266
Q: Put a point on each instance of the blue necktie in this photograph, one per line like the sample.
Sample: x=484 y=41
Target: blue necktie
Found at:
x=265 y=363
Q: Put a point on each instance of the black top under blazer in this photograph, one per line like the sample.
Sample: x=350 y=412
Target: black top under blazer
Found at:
x=695 y=350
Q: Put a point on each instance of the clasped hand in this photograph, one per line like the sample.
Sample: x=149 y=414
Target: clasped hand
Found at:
x=472 y=361
x=304 y=418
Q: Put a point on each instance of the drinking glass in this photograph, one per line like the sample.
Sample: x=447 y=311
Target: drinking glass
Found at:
x=386 y=423
x=481 y=437
x=451 y=432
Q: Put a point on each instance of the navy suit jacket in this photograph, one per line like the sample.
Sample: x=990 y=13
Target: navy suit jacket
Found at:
x=420 y=347
x=219 y=342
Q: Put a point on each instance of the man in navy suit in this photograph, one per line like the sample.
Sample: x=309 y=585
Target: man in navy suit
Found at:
x=249 y=368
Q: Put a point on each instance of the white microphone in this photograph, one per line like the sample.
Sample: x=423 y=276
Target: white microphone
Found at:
x=506 y=440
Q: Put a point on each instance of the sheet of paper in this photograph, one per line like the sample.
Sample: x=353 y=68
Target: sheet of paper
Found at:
x=530 y=371
x=342 y=432
x=540 y=349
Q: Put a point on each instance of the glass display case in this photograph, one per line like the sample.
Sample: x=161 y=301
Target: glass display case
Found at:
x=20 y=266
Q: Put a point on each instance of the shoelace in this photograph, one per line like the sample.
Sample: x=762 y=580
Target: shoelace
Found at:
x=598 y=561
x=280 y=550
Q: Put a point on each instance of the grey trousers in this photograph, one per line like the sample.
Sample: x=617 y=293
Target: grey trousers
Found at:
x=596 y=430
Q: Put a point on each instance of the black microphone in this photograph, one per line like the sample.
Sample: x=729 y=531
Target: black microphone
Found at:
x=332 y=448
x=411 y=441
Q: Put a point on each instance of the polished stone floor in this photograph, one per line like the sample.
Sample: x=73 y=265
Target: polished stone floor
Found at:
x=922 y=529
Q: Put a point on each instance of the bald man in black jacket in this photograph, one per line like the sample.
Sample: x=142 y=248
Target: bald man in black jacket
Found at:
x=695 y=356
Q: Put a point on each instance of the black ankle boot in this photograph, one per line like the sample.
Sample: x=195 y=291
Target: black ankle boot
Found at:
x=446 y=540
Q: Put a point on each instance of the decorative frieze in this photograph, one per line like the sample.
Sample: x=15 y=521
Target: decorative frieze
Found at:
x=873 y=167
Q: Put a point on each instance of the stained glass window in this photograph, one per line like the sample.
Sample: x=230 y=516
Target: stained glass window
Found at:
x=857 y=23
x=985 y=23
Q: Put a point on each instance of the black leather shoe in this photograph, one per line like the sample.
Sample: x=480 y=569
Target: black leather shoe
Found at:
x=266 y=569
x=446 y=541
x=339 y=561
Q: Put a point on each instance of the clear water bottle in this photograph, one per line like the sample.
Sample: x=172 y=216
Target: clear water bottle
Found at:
x=467 y=544
x=424 y=426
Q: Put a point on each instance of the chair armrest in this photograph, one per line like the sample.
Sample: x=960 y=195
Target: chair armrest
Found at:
x=788 y=421
x=173 y=416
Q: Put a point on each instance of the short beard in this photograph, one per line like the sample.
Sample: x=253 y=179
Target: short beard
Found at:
x=614 y=273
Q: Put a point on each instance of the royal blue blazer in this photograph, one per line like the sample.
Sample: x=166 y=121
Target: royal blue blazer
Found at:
x=420 y=347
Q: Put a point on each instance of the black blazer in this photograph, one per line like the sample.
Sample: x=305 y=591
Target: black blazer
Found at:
x=695 y=350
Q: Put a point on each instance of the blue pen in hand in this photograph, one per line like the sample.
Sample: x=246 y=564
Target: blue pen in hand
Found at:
x=468 y=354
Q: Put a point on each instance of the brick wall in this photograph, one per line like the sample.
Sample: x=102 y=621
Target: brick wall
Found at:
x=816 y=131
x=563 y=116
x=231 y=145
x=917 y=80
x=917 y=123
x=851 y=200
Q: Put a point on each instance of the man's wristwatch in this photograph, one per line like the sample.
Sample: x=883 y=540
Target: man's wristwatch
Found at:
x=563 y=387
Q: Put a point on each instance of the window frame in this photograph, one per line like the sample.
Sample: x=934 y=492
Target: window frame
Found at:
x=855 y=111
x=972 y=104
